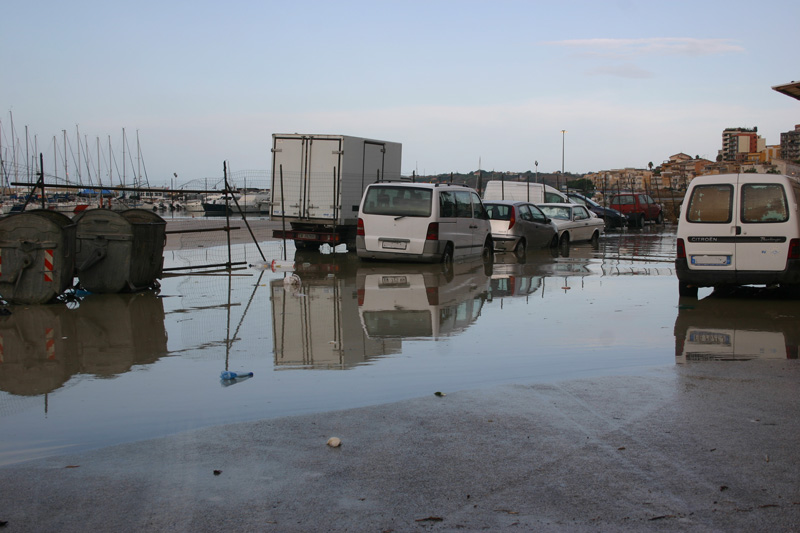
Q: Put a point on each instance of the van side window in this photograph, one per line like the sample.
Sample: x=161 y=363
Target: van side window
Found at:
x=478 y=209
x=764 y=203
x=463 y=204
x=552 y=198
x=447 y=204
x=711 y=204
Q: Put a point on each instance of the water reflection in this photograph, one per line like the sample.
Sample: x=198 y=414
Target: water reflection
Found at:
x=746 y=324
x=420 y=301
x=43 y=346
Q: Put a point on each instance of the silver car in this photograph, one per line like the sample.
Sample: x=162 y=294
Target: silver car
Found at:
x=518 y=226
x=574 y=222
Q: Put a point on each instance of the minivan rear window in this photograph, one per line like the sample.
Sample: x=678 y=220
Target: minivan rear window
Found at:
x=398 y=201
x=711 y=204
x=764 y=202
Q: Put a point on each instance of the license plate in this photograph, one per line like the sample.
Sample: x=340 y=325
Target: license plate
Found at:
x=394 y=245
x=394 y=280
x=308 y=236
x=711 y=260
x=710 y=337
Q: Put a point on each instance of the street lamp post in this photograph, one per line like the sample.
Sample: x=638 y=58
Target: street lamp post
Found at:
x=563 y=132
x=537 y=170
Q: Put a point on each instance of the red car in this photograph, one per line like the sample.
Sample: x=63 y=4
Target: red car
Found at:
x=638 y=207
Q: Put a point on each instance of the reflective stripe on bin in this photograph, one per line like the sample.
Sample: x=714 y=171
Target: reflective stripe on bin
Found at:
x=48 y=265
x=50 y=343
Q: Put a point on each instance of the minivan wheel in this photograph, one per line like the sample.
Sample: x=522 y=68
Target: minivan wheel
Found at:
x=686 y=291
x=447 y=255
x=488 y=250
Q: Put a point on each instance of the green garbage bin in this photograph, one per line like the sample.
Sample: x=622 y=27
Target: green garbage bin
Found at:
x=119 y=251
x=37 y=256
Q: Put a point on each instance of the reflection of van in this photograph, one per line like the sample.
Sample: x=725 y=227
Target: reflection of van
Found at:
x=737 y=329
x=739 y=229
x=535 y=193
x=401 y=301
x=422 y=222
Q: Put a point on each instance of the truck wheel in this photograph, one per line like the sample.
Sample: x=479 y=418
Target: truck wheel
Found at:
x=305 y=245
x=686 y=291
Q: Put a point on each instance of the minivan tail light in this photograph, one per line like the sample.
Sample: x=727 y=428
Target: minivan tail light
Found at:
x=433 y=232
x=682 y=249
x=794 y=249
x=513 y=219
x=360 y=227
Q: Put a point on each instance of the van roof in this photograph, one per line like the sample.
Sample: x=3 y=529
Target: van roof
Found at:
x=424 y=185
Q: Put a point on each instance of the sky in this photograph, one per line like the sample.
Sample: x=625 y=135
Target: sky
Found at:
x=458 y=83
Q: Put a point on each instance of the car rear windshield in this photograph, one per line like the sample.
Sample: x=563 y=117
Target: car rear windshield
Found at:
x=711 y=204
x=499 y=212
x=398 y=201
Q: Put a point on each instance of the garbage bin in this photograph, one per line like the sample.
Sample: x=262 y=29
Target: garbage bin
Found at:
x=119 y=251
x=37 y=256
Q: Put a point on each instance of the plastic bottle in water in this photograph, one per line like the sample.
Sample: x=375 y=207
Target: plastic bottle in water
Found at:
x=233 y=375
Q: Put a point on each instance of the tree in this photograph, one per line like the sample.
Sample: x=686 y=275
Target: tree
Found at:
x=582 y=184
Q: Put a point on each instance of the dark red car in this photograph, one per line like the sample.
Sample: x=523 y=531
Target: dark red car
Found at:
x=638 y=207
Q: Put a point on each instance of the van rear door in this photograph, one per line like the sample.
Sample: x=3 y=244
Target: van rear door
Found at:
x=764 y=224
x=711 y=226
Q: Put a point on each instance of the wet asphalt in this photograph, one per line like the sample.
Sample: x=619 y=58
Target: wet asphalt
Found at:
x=705 y=446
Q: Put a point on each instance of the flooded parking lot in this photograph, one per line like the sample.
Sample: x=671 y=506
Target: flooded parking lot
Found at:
x=106 y=369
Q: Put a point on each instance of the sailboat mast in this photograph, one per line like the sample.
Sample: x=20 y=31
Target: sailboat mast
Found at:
x=123 y=157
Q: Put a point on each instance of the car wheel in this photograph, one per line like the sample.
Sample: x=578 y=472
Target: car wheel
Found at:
x=660 y=218
x=554 y=241
x=520 y=250
x=686 y=291
x=564 y=242
x=639 y=221
x=595 y=238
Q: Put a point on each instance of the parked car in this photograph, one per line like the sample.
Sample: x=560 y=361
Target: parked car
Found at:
x=739 y=229
x=574 y=222
x=426 y=222
x=638 y=207
x=517 y=226
x=612 y=217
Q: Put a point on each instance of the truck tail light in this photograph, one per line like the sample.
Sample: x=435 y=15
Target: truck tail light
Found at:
x=360 y=228
x=794 y=249
x=513 y=219
x=433 y=232
x=682 y=249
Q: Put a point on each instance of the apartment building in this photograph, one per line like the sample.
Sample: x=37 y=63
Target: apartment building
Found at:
x=738 y=144
x=790 y=145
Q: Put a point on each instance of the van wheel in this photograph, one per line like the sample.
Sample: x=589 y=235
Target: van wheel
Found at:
x=595 y=238
x=447 y=255
x=686 y=291
x=487 y=253
x=520 y=249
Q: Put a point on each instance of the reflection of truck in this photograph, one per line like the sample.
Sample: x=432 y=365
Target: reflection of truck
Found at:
x=318 y=181
x=315 y=324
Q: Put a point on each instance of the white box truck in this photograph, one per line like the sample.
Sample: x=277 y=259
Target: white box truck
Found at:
x=520 y=191
x=318 y=181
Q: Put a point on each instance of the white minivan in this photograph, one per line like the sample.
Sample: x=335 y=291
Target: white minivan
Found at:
x=739 y=229
x=427 y=222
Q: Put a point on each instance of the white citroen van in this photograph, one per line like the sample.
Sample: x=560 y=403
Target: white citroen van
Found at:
x=739 y=229
x=426 y=222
